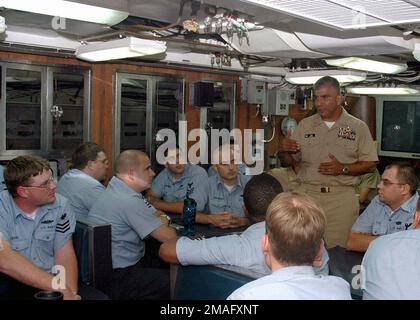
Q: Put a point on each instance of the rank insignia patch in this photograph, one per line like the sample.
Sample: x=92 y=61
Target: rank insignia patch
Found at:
x=63 y=227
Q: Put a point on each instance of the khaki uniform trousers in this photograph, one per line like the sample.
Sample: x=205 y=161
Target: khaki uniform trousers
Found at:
x=341 y=207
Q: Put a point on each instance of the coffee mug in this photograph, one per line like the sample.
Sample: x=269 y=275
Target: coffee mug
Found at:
x=48 y=295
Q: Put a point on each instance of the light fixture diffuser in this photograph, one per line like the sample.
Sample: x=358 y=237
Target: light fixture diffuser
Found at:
x=367 y=65
x=68 y=9
x=119 y=49
x=382 y=90
x=310 y=77
x=416 y=52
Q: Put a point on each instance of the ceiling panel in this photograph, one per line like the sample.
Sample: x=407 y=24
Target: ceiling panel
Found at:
x=348 y=14
x=393 y=11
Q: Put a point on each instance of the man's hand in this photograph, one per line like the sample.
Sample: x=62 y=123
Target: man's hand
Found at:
x=290 y=145
x=152 y=200
x=332 y=168
x=221 y=220
x=237 y=221
x=317 y=263
x=158 y=213
x=163 y=217
x=69 y=295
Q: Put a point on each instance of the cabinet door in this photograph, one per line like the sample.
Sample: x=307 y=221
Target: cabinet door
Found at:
x=167 y=106
x=133 y=97
x=68 y=110
x=144 y=105
x=23 y=109
x=43 y=109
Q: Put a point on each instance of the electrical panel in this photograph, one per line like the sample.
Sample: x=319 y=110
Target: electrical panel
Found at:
x=256 y=92
x=278 y=101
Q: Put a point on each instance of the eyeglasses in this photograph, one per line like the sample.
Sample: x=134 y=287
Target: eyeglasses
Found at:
x=386 y=182
x=46 y=185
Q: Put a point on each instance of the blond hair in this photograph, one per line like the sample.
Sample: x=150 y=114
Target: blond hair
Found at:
x=295 y=226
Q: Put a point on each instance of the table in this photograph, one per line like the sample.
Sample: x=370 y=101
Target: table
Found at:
x=346 y=264
x=187 y=281
x=207 y=282
x=202 y=230
x=206 y=230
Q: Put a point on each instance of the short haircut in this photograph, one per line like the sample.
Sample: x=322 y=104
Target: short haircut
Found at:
x=406 y=174
x=20 y=170
x=327 y=80
x=128 y=159
x=84 y=153
x=295 y=226
x=258 y=194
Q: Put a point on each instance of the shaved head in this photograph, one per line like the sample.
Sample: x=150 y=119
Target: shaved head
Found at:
x=129 y=159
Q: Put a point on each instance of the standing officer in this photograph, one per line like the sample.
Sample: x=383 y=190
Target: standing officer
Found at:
x=332 y=148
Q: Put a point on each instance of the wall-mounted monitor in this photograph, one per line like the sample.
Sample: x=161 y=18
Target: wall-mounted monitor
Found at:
x=398 y=126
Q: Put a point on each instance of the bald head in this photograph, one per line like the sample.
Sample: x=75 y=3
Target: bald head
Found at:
x=133 y=167
x=129 y=159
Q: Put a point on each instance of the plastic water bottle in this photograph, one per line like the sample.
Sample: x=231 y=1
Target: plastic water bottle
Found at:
x=188 y=215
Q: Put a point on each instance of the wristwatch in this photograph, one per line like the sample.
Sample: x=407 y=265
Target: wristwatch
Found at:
x=345 y=170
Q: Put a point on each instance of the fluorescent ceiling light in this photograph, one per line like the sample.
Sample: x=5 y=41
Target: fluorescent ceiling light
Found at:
x=310 y=77
x=416 y=52
x=382 y=90
x=68 y=9
x=367 y=65
x=120 y=49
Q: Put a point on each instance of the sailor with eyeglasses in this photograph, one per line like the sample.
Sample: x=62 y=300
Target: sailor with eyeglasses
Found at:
x=36 y=227
x=392 y=210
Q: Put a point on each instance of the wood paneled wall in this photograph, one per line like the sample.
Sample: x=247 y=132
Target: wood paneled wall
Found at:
x=103 y=99
x=103 y=90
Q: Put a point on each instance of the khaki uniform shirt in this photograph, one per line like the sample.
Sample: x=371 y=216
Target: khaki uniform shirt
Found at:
x=349 y=140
